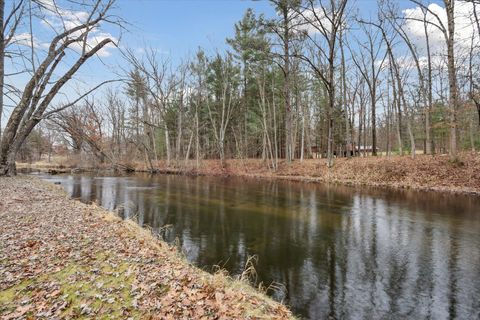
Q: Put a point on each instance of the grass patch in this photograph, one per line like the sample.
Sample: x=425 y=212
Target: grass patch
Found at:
x=17 y=292
x=101 y=288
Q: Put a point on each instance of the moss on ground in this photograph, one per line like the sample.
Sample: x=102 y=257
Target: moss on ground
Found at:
x=109 y=294
x=66 y=260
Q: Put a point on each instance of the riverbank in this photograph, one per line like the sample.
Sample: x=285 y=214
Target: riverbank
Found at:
x=60 y=258
x=426 y=173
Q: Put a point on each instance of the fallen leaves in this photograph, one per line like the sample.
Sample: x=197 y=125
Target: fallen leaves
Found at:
x=63 y=259
x=425 y=172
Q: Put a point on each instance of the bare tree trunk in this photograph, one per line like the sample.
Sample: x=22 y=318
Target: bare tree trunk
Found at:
x=472 y=139
x=245 y=113
x=268 y=149
x=286 y=91
x=2 y=61
x=373 y=100
x=302 y=138
x=348 y=142
x=197 y=138
x=428 y=109
x=180 y=130
x=398 y=108
x=330 y=108
x=365 y=123
x=167 y=144
x=180 y=118
x=187 y=154
x=388 y=118
x=360 y=124
x=308 y=142
x=275 y=139
x=452 y=77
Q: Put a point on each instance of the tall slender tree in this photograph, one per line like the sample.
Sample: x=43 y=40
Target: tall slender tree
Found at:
x=327 y=18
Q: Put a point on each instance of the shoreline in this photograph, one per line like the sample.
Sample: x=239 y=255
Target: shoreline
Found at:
x=62 y=258
x=424 y=173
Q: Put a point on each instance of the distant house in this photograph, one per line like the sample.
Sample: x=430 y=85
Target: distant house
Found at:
x=318 y=152
x=366 y=149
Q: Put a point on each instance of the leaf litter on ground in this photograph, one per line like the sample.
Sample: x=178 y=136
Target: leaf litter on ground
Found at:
x=60 y=258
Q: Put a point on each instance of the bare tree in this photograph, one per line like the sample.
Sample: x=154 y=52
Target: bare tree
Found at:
x=448 y=31
x=43 y=87
x=370 y=63
x=474 y=85
x=72 y=122
x=424 y=80
x=348 y=141
x=8 y=28
x=285 y=30
x=327 y=18
x=399 y=81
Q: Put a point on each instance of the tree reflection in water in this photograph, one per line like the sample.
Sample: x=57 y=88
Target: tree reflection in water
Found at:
x=341 y=252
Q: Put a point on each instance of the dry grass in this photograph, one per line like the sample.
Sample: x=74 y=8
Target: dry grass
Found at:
x=424 y=172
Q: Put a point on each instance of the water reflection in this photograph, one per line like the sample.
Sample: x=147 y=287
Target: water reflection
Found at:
x=342 y=253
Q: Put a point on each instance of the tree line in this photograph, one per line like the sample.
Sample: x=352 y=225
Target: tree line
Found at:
x=317 y=80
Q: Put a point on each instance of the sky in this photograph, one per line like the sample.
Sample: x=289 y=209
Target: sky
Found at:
x=179 y=27
x=175 y=29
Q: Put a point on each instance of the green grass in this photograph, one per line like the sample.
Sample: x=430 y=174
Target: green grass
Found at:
x=108 y=296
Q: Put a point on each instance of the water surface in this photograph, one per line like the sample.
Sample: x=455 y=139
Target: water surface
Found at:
x=340 y=252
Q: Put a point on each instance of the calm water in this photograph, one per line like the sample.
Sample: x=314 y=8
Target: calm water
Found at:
x=340 y=252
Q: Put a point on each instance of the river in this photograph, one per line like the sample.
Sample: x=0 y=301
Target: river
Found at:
x=331 y=252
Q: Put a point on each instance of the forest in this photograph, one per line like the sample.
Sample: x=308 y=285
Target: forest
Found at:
x=319 y=80
x=275 y=159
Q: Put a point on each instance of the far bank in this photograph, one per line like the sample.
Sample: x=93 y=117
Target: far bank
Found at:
x=425 y=172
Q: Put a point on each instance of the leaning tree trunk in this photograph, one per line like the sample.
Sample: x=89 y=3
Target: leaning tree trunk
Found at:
x=2 y=62
x=7 y=158
x=7 y=165
x=9 y=153
x=35 y=99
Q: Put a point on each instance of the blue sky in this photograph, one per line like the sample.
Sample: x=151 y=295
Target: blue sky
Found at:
x=173 y=28
x=179 y=27
x=176 y=28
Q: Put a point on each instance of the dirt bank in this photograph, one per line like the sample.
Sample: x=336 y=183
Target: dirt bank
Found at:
x=60 y=258
x=434 y=173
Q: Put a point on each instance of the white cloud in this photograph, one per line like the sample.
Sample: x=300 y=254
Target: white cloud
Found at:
x=464 y=28
x=99 y=37
x=58 y=18
x=314 y=21
x=25 y=39
x=51 y=8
